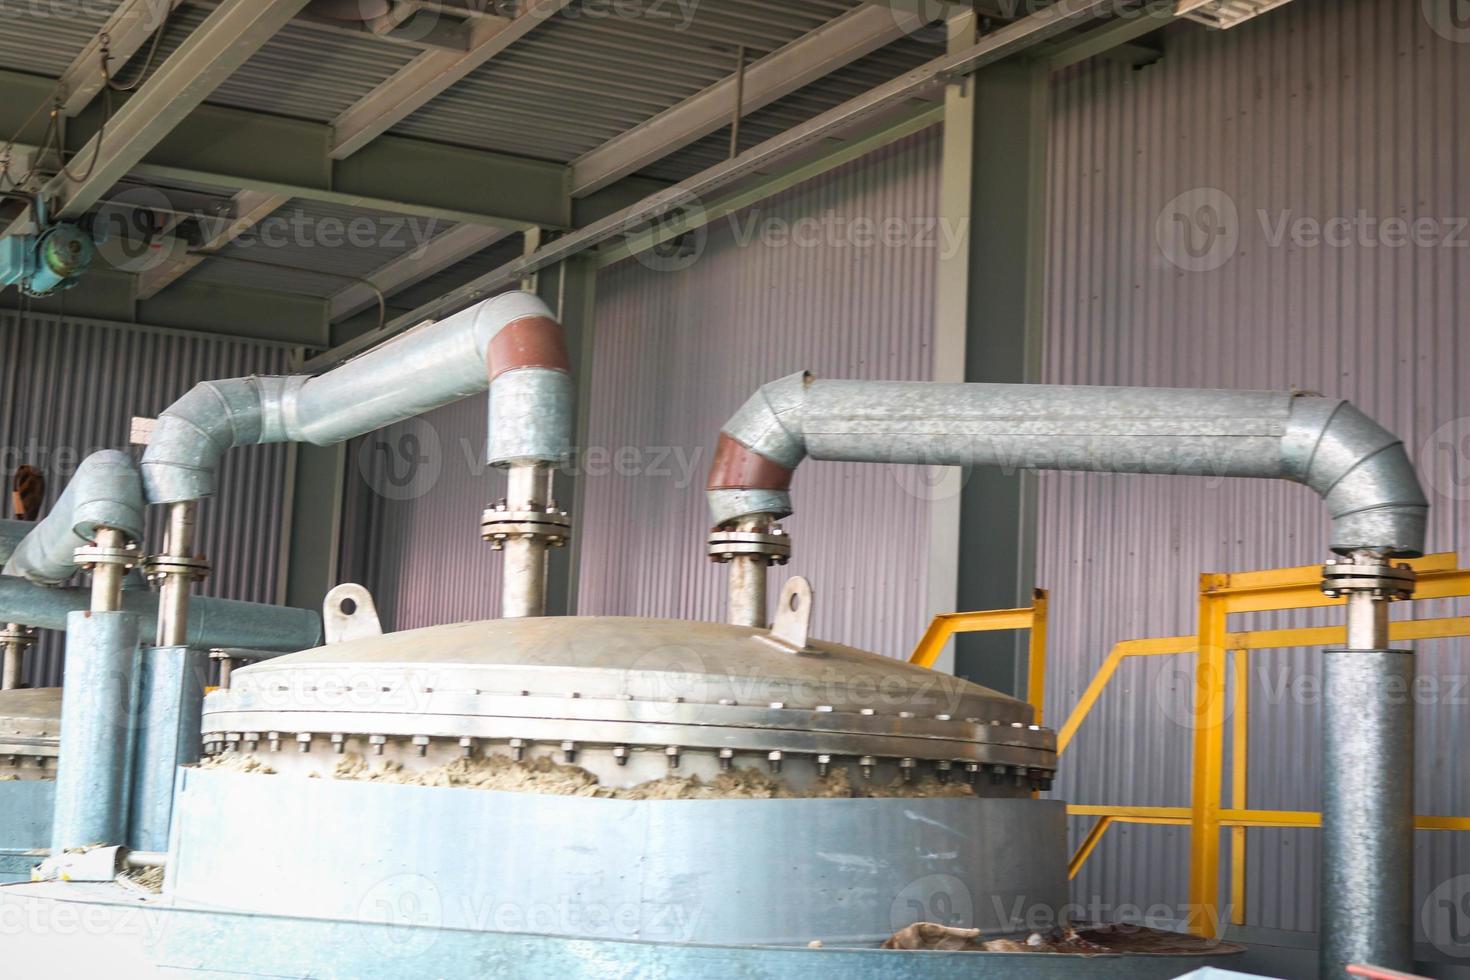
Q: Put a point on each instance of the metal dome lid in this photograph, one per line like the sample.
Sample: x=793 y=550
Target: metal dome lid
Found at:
x=631 y=699
x=30 y=732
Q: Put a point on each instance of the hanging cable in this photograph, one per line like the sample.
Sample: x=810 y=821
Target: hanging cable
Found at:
x=117 y=86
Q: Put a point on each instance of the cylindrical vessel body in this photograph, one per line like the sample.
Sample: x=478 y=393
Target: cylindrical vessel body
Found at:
x=170 y=702
x=1367 y=809
x=97 y=707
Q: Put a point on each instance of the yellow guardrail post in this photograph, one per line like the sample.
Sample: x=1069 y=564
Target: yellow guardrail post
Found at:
x=1036 y=649
x=1218 y=653
x=1239 y=770
x=1209 y=738
x=1033 y=617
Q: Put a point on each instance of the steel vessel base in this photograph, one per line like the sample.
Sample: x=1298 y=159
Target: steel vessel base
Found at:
x=75 y=929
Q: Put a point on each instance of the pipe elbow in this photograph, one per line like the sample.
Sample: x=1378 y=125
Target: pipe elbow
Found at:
x=192 y=435
x=758 y=452
x=525 y=353
x=106 y=491
x=1362 y=473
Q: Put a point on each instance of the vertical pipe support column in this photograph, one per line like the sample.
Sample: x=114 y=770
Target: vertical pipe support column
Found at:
x=750 y=547
x=1367 y=776
x=16 y=640
x=170 y=694
x=170 y=710
x=98 y=703
x=525 y=525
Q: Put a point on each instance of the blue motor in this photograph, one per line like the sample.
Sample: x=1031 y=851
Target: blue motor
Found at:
x=44 y=263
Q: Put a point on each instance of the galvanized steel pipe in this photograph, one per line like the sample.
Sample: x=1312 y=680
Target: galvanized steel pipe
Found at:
x=1359 y=469
x=523 y=576
x=107 y=578
x=746 y=602
x=1367 y=809
x=173 y=593
x=106 y=491
x=212 y=622
x=509 y=344
x=15 y=639
x=12 y=533
x=97 y=734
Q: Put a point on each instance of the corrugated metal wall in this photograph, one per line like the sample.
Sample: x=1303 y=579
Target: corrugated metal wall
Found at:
x=678 y=351
x=71 y=387
x=1317 y=110
x=420 y=486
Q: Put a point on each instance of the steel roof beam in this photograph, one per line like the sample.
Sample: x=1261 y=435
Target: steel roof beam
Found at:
x=250 y=207
x=814 y=55
x=1011 y=39
x=129 y=29
x=222 y=147
x=208 y=56
x=430 y=74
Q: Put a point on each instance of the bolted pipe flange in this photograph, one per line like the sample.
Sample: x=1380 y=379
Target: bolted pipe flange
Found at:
x=1367 y=574
x=89 y=556
x=17 y=635
x=499 y=523
x=773 y=545
x=158 y=567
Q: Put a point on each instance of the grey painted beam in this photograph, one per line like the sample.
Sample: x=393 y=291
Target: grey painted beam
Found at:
x=222 y=147
x=250 y=208
x=130 y=27
x=846 y=118
x=1007 y=224
x=430 y=74
x=210 y=54
x=236 y=311
x=839 y=42
x=1119 y=34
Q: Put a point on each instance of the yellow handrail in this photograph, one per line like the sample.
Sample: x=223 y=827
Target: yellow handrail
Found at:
x=1219 y=653
x=1032 y=617
x=1216 y=649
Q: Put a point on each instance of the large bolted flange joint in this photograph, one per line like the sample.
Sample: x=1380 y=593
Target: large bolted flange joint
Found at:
x=499 y=524
x=89 y=556
x=158 y=567
x=1369 y=574
x=772 y=544
x=14 y=634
